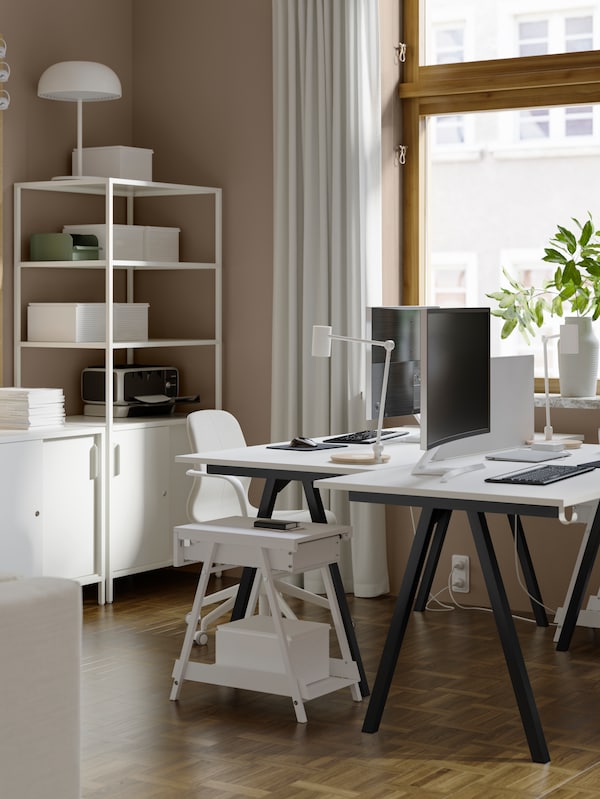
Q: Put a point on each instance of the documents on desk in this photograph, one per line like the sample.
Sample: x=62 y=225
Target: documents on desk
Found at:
x=527 y=454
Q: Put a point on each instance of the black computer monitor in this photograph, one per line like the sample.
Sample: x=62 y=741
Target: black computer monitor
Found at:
x=455 y=379
x=402 y=325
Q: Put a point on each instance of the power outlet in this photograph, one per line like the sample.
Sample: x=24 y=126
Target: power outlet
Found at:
x=459 y=580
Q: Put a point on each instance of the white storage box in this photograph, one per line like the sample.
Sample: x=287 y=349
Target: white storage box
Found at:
x=132 y=163
x=161 y=244
x=85 y=321
x=128 y=240
x=252 y=643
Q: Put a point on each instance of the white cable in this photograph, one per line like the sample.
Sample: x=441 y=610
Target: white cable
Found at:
x=456 y=604
x=518 y=573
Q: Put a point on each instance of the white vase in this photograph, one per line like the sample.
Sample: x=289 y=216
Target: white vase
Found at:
x=579 y=372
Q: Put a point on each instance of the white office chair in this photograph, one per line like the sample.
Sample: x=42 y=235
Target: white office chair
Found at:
x=216 y=496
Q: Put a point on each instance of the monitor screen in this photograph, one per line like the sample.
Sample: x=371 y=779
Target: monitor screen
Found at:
x=455 y=372
x=401 y=324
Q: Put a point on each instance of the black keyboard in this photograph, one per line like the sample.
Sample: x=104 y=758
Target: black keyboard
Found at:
x=365 y=437
x=544 y=475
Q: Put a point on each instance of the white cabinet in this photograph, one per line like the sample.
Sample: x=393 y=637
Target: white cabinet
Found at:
x=21 y=504
x=72 y=545
x=140 y=492
x=50 y=495
x=148 y=495
x=139 y=508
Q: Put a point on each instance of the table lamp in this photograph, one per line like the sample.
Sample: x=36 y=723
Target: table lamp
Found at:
x=321 y=348
x=80 y=82
x=569 y=345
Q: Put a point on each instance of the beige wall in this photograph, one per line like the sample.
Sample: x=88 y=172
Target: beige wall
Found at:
x=39 y=134
x=196 y=81
x=203 y=101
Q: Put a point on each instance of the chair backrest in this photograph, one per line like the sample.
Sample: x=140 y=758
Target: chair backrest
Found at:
x=214 y=497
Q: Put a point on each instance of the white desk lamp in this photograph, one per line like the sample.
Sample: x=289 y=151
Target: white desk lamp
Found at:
x=321 y=348
x=569 y=345
x=79 y=81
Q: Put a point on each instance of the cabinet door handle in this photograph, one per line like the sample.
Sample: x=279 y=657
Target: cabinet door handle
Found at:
x=117 y=460
x=93 y=461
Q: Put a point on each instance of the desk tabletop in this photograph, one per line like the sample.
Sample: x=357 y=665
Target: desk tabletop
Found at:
x=471 y=486
x=310 y=461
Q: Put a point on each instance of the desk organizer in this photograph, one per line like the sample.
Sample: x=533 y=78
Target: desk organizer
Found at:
x=135 y=242
x=63 y=247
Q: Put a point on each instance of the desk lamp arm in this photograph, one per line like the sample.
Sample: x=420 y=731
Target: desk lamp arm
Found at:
x=321 y=347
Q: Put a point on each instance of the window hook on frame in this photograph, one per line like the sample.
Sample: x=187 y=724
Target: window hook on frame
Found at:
x=399 y=155
x=400 y=50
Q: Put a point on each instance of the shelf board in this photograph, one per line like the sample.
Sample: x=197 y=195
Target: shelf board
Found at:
x=118 y=264
x=119 y=345
x=121 y=187
x=577 y=403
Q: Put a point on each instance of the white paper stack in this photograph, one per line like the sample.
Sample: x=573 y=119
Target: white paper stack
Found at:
x=24 y=408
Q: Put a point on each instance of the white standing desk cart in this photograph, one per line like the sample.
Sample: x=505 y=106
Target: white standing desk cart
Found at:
x=237 y=542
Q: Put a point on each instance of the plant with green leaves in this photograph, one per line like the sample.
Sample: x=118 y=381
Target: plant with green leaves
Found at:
x=574 y=286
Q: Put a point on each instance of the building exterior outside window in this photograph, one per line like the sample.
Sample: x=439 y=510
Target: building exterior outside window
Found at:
x=499 y=181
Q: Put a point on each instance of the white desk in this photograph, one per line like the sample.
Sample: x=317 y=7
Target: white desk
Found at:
x=470 y=493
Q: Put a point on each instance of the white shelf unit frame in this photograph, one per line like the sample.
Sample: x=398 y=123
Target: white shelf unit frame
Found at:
x=112 y=188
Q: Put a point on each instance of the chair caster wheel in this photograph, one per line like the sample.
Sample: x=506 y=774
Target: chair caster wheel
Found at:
x=201 y=638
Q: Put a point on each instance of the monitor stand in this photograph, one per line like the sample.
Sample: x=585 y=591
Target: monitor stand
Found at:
x=427 y=465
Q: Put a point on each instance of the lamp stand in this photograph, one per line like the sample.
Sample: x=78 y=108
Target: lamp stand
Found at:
x=79 y=138
x=567 y=443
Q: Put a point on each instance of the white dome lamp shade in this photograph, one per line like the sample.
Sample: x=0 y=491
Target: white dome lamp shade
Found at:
x=80 y=82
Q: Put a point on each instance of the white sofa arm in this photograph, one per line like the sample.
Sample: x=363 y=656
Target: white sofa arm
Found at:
x=40 y=657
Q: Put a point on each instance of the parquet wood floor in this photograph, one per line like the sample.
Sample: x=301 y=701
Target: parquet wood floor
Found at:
x=451 y=727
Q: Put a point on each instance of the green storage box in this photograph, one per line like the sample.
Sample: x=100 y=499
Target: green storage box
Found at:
x=63 y=247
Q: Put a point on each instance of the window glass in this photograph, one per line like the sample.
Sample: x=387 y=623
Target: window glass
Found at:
x=494 y=199
x=480 y=30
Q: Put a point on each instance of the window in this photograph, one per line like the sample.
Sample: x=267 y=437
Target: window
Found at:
x=449 y=44
x=498 y=152
x=452 y=279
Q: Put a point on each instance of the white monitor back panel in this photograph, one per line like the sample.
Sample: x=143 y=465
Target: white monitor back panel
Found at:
x=512 y=409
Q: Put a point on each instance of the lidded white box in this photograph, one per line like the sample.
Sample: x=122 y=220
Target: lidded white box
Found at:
x=253 y=644
x=86 y=321
x=161 y=244
x=131 y=163
x=128 y=240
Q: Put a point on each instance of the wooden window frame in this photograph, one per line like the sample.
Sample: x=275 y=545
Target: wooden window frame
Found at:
x=500 y=84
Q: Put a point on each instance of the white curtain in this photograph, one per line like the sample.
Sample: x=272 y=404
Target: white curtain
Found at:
x=327 y=241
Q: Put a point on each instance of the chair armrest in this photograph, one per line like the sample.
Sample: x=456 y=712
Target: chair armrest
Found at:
x=240 y=491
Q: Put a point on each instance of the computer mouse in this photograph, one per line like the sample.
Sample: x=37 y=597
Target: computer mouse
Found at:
x=300 y=442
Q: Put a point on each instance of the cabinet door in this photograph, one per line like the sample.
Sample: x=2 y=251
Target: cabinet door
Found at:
x=181 y=484
x=71 y=507
x=21 y=508
x=140 y=535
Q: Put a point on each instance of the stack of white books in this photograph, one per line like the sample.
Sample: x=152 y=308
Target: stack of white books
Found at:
x=25 y=408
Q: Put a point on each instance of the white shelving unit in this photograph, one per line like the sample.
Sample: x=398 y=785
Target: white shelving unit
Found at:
x=127 y=193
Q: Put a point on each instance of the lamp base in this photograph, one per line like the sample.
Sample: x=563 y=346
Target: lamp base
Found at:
x=567 y=443
x=358 y=456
